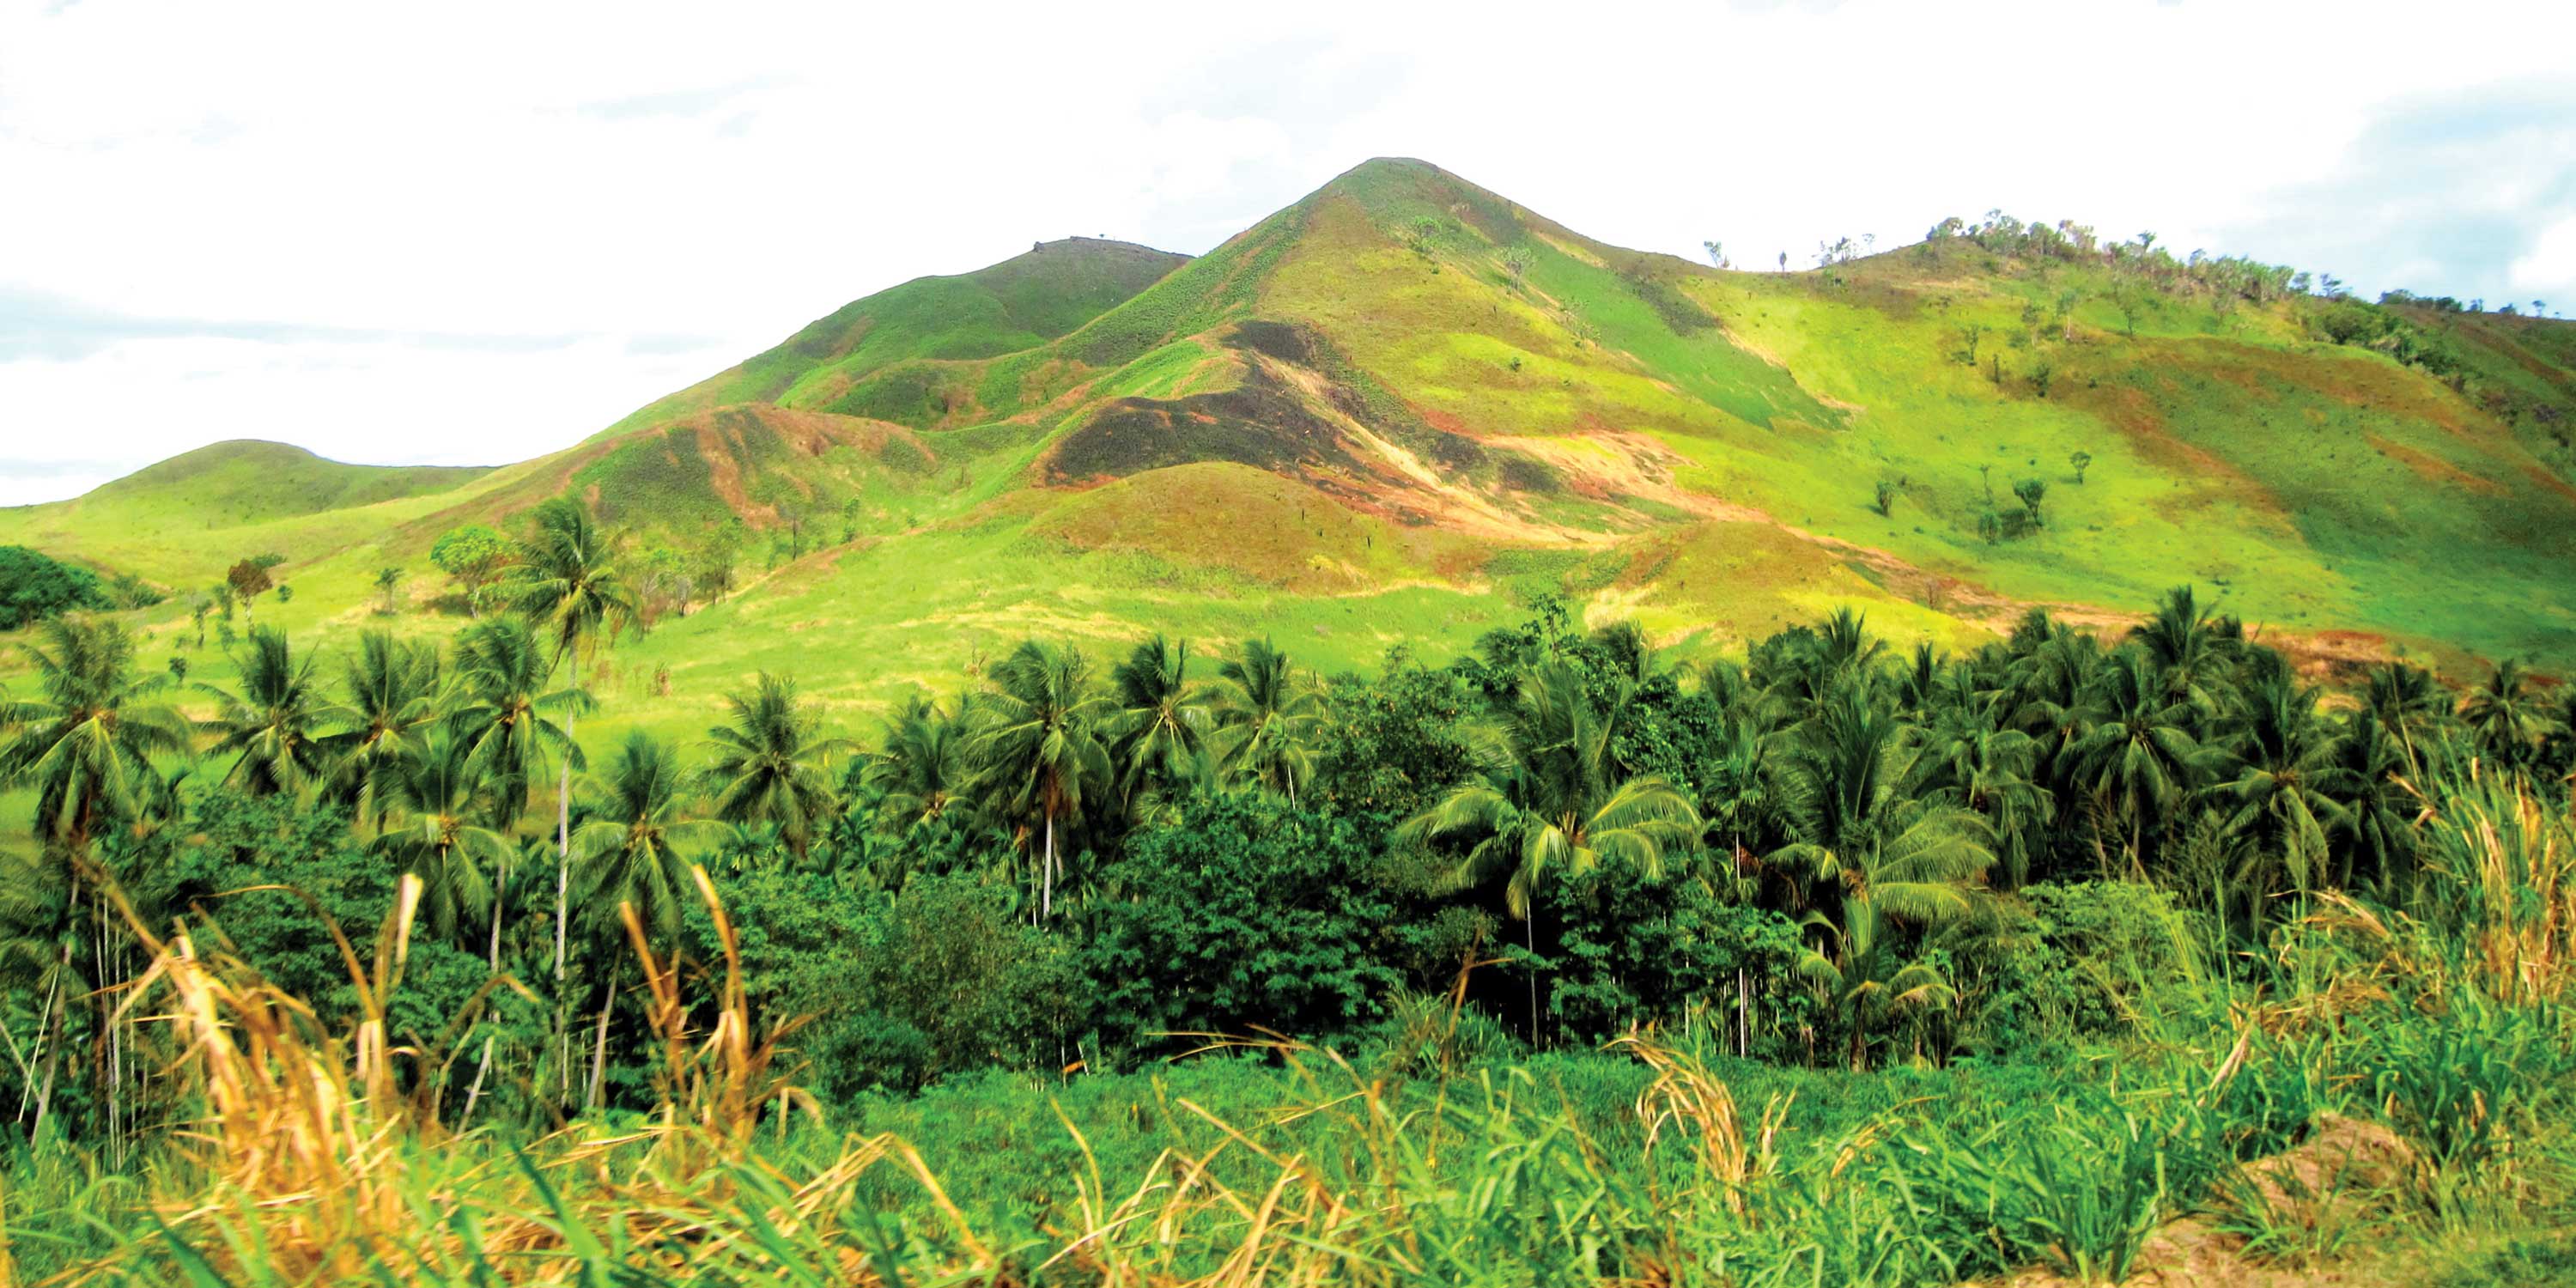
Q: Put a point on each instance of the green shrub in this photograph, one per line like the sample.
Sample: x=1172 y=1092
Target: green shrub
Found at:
x=1632 y=949
x=1243 y=913
x=34 y=587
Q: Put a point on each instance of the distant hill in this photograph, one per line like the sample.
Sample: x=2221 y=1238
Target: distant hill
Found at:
x=1404 y=406
x=248 y=480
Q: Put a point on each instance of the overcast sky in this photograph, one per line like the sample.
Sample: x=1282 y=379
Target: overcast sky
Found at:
x=468 y=233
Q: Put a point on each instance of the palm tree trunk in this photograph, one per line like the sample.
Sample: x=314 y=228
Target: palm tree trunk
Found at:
x=1743 y=1017
x=1046 y=893
x=53 y=1062
x=62 y=968
x=599 y=1043
x=563 y=898
x=26 y=1072
x=475 y=1092
x=1529 y=939
x=496 y=928
x=563 y=840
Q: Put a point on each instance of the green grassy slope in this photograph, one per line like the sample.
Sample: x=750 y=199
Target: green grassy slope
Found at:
x=1563 y=390
x=1400 y=406
x=1017 y=304
x=248 y=480
x=188 y=517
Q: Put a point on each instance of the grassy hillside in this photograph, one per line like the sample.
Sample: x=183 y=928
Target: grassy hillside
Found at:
x=1018 y=304
x=248 y=481
x=186 y=518
x=1403 y=405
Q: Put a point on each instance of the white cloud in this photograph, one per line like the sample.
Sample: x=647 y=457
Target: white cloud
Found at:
x=322 y=185
x=2550 y=268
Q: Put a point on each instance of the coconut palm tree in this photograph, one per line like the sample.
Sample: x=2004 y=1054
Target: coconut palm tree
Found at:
x=1969 y=760
x=924 y=767
x=1918 y=686
x=393 y=696
x=2558 y=752
x=1845 y=645
x=1884 y=863
x=1040 y=751
x=2191 y=648
x=1548 y=800
x=768 y=766
x=1867 y=977
x=1839 y=650
x=2137 y=758
x=2048 y=684
x=1266 y=719
x=1161 y=724
x=1857 y=822
x=2277 y=778
x=87 y=748
x=2505 y=717
x=271 y=724
x=42 y=916
x=2404 y=698
x=627 y=851
x=1742 y=803
x=2378 y=808
x=1627 y=654
x=1735 y=697
x=433 y=832
x=510 y=723
x=567 y=583
x=1549 y=803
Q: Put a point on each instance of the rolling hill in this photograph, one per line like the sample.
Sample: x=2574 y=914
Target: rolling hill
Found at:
x=1399 y=408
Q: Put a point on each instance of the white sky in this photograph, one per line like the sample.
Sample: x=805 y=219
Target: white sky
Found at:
x=472 y=233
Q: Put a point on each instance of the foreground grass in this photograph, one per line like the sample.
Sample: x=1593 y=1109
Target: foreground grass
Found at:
x=2379 y=1099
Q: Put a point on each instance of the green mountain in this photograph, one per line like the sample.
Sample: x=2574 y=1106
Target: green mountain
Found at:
x=1402 y=406
x=1021 y=303
x=250 y=481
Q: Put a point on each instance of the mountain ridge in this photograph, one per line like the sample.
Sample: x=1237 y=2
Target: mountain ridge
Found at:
x=1403 y=405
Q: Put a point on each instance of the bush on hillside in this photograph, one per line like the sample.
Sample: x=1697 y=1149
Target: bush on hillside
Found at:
x=34 y=586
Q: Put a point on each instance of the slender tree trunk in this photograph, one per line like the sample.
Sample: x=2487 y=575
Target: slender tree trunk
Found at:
x=496 y=929
x=26 y=1071
x=475 y=1092
x=1743 y=1017
x=109 y=1065
x=1529 y=939
x=53 y=1062
x=563 y=896
x=1046 y=893
x=563 y=840
x=62 y=967
x=599 y=1044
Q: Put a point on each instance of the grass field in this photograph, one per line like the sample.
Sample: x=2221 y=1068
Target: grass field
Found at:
x=2370 y=1109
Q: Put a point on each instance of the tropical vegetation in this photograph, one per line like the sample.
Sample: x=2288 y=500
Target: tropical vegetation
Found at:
x=2167 y=877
